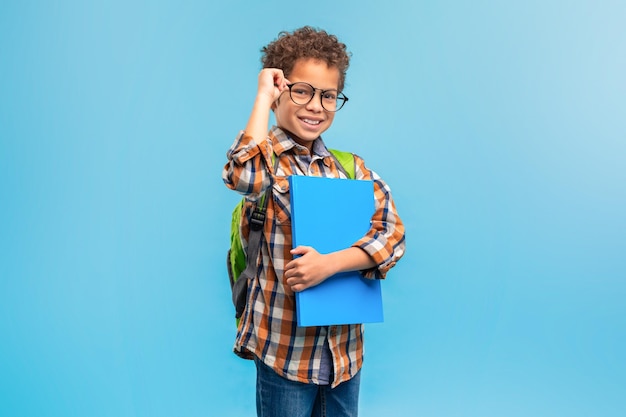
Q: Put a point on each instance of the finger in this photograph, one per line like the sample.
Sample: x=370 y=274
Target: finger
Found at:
x=277 y=76
x=300 y=250
x=284 y=84
x=296 y=286
x=281 y=87
x=291 y=265
x=280 y=81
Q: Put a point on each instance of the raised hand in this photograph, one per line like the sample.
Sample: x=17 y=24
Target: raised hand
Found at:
x=272 y=83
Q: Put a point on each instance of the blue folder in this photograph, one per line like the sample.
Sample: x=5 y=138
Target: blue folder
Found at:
x=331 y=214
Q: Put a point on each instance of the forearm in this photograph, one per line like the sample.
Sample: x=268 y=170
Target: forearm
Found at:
x=248 y=169
x=258 y=122
x=309 y=268
x=350 y=259
x=270 y=85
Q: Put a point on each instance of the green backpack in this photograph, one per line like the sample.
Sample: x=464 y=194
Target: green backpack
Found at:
x=241 y=265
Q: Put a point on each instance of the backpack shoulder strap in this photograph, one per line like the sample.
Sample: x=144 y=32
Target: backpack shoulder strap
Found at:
x=346 y=161
x=239 y=282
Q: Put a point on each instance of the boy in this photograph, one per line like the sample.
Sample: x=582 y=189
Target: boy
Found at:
x=302 y=371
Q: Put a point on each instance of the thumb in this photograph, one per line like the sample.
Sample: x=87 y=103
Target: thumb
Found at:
x=300 y=250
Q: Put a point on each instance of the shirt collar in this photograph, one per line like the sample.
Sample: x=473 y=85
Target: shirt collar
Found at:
x=281 y=143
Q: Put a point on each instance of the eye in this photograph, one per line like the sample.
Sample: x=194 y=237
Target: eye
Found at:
x=301 y=90
x=330 y=95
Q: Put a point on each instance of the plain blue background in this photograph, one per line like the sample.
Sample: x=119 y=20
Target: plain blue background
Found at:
x=499 y=125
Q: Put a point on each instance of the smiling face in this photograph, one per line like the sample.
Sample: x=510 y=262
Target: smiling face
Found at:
x=305 y=123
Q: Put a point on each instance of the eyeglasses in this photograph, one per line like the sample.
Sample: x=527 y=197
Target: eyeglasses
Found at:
x=302 y=93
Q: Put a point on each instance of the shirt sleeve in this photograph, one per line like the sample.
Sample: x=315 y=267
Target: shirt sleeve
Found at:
x=385 y=240
x=247 y=168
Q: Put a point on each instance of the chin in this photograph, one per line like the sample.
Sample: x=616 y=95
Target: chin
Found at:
x=302 y=137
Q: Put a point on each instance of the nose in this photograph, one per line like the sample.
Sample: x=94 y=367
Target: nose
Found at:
x=315 y=104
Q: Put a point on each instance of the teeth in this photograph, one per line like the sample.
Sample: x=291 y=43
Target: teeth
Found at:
x=311 y=122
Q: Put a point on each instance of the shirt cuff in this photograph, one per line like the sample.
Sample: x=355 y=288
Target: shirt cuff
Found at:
x=378 y=250
x=244 y=148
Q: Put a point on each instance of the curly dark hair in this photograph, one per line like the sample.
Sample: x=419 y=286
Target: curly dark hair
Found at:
x=306 y=42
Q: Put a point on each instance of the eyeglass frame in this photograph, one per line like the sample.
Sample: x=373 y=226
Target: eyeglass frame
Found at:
x=340 y=96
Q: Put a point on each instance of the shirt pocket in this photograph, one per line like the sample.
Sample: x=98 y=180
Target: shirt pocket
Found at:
x=282 y=204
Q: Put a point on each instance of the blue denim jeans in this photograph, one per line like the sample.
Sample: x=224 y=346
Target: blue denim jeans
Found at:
x=279 y=397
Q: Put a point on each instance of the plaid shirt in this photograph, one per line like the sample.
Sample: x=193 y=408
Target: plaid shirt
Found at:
x=268 y=325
